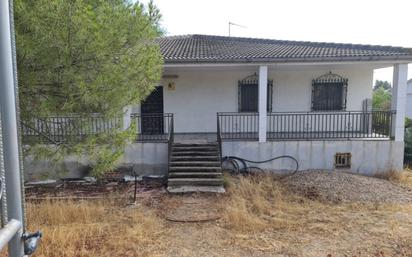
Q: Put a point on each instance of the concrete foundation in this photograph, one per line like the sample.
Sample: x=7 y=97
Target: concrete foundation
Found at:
x=369 y=157
x=143 y=158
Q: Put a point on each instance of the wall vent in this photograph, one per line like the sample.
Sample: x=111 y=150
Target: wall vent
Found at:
x=343 y=160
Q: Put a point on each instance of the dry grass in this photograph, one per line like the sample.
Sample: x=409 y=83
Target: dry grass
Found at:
x=259 y=217
x=264 y=215
x=93 y=229
x=403 y=178
x=258 y=203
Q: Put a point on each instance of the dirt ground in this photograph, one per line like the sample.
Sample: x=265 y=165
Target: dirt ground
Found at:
x=258 y=216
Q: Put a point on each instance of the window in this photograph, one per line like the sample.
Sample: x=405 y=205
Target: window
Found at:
x=329 y=93
x=248 y=94
x=342 y=160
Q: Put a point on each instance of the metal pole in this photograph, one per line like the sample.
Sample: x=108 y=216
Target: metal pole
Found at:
x=8 y=232
x=9 y=122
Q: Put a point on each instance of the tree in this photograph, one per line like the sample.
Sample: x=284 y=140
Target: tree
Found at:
x=382 y=84
x=86 y=57
x=382 y=95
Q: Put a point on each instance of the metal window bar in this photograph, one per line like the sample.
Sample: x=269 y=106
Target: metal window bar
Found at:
x=154 y=127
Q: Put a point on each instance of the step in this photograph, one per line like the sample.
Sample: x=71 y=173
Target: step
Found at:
x=196 y=189
x=194 y=149
x=195 y=153
x=194 y=174
x=195 y=158
x=192 y=163
x=194 y=145
x=195 y=182
x=194 y=169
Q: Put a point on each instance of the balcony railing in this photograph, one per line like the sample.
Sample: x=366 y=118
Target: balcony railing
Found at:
x=68 y=128
x=238 y=126
x=308 y=125
x=156 y=127
x=329 y=125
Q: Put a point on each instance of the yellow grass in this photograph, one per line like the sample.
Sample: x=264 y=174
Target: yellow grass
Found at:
x=93 y=229
x=259 y=217
x=403 y=178
x=265 y=215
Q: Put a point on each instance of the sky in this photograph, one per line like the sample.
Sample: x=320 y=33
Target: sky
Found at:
x=382 y=22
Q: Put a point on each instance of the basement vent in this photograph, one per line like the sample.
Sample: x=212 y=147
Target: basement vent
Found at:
x=342 y=160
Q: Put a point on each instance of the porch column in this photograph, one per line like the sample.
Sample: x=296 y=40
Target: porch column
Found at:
x=400 y=75
x=126 y=116
x=263 y=88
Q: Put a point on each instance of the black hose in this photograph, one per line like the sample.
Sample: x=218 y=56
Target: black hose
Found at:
x=233 y=160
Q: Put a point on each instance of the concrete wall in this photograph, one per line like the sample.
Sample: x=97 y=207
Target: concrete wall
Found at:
x=144 y=158
x=409 y=100
x=369 y=157
x=199 y=94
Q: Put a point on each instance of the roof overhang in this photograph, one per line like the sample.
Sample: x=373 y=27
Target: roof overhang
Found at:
x=277 y=62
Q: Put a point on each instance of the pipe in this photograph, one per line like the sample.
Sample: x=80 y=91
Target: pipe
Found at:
x=8 y=231
x=10 y=137
x=16 y=93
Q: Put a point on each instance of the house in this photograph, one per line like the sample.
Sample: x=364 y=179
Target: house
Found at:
x=261 y=98
x=409 y=99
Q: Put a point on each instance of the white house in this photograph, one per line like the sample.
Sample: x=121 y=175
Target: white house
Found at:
x=261 y=98
x=409 y=99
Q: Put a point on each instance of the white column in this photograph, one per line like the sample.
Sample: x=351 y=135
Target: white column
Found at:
x=126 y=116
x=263 y=88
x=400 y=75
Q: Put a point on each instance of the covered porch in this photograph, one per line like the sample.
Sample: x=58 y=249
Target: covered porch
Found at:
x=275 y=102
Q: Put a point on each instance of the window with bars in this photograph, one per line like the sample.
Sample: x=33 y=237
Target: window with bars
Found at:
x=248 y=94
x=329 y=93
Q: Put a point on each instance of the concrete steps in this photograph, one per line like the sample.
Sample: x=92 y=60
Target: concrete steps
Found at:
x=195 y=168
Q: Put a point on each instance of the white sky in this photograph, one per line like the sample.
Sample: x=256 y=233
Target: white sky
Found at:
x=383 y=22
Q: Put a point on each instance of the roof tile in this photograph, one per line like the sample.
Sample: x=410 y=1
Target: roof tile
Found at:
x=210 y=49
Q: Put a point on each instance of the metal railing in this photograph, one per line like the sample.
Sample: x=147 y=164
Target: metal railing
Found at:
x=307 y=125
x=238 y=126
x=154 y=127
x=219 y=138
x=68 y=128
x=170 y=143
x=329 y=125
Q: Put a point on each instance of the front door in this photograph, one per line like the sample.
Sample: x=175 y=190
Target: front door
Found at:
x=152 y=113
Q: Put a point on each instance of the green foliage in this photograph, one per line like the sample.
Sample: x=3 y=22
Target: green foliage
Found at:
x=408 y=123
x=85 y=57
x=408 y=141
x=381 y=99
x=382 y=84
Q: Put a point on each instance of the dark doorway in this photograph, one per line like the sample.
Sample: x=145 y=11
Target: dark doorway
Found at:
x=152 y=113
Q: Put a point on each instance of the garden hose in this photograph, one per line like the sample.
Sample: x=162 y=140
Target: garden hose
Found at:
x=240 y=165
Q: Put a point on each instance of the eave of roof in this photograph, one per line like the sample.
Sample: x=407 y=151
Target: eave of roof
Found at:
x=198 y=49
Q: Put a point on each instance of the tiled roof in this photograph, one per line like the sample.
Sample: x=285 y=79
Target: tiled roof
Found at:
x=219 y=49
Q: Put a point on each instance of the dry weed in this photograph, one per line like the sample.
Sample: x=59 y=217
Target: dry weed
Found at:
x=403 y=178
x=262 y=214
x=260 y=202
x=80 y=229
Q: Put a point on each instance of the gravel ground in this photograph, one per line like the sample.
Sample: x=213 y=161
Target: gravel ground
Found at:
x=345 y=187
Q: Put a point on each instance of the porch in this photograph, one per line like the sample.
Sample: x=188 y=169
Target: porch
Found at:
x=345 y=125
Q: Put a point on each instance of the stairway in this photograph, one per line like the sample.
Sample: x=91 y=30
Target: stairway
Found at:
x=195 y=167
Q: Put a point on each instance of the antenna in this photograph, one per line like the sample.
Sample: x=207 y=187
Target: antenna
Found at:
x=234 y=24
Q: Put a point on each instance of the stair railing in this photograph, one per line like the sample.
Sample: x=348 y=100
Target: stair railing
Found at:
x=219 y=138
x=170 y=143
